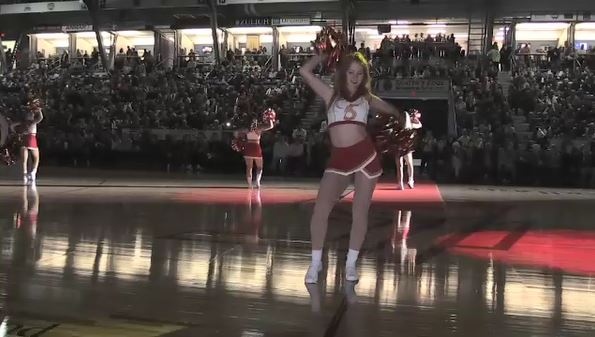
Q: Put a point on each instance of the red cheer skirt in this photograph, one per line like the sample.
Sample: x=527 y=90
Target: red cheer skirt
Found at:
x=252 y=150
x=360 y=157
x=30 y=141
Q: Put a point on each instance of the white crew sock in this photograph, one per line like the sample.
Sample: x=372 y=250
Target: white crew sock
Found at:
x=317 y=257
x=352 y=257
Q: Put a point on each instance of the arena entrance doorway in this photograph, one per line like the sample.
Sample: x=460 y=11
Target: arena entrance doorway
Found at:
x=434 y=114
x=433 y=97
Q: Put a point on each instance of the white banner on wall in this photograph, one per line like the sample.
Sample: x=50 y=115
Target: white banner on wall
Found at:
x=561 y=17
x=413 y=88
x=77 y=28
x=176 y=134
x=270 y=21
x=293 y=22
x=43 y=7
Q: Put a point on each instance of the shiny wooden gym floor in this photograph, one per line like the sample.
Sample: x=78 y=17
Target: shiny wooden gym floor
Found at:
x=207 y=257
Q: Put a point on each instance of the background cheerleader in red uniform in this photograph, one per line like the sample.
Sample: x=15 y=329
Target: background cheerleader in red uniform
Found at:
x=411 y=123
x=28 y=131
x=248 y=142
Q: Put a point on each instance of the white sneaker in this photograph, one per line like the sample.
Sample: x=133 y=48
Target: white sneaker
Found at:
x=312 y=274
x=351 y=274
x=32 y=177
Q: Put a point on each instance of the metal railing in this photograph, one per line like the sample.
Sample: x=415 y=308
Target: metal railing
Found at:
x=268 y=65
x=160 y=63
x=54 y=66
x=542 y=62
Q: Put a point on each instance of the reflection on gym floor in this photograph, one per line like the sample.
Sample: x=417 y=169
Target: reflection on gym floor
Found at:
x=239 y=267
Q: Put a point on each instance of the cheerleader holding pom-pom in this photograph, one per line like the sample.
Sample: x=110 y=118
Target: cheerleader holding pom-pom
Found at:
x=29 y=145
x=353 y=153
x=20 y=138
x=248 y=143
x=411 y=125
x=397 y=136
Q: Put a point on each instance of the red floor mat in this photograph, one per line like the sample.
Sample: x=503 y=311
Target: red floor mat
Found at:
x=424 y=192
x=385 y=193
x=567 y=250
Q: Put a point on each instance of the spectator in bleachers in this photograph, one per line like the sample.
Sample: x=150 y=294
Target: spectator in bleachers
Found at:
x=299 y=133
x=365 y=51
x=494 y=57
x=280 y=154
x=295 y=156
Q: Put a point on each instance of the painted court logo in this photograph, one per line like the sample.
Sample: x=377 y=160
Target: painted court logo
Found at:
x=12 y=328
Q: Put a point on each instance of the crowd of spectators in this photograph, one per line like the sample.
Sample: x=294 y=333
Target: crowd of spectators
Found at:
x=535 y=125
x=536 y=128
x=91 y=116
x=540 y=132
x=412 y=56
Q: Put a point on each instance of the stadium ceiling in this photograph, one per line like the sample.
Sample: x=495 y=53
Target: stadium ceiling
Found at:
x=369 y=9
x=195 y=13
x=415 y=9
x=121 y=18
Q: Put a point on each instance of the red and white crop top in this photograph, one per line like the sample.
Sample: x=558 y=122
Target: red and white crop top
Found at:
x=342 y=111
x=253 y=136
x=32 y=127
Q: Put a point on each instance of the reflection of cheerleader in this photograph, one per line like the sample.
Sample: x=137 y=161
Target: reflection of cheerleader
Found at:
x=402 y=224
x=253 y=152
x=25 y=223
x=253 y=219
x=26 y=220
x=412 y=123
